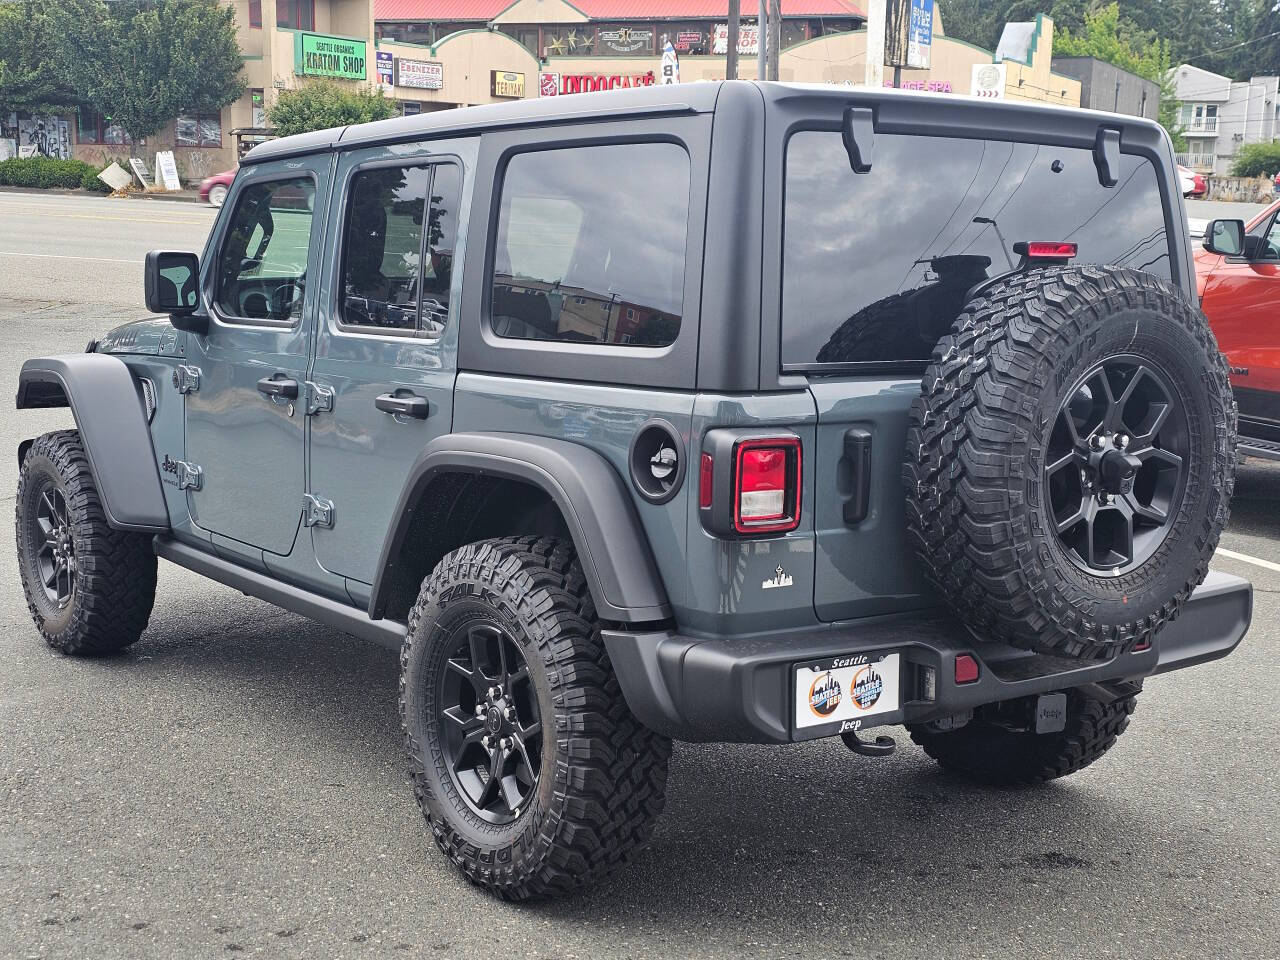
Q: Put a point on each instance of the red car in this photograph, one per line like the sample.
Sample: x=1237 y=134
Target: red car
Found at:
x=1238 y=278
x=1192 y=183
x=214 y=189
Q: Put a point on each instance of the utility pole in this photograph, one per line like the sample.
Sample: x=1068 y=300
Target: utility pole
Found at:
x=731 y=52
x=775 y=36
x=874 y=76
x=764 y=47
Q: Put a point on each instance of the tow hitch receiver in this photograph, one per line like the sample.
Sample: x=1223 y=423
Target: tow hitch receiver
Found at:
x=1051 y=713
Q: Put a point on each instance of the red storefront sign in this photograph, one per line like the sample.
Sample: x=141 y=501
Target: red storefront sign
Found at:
x=553 y=84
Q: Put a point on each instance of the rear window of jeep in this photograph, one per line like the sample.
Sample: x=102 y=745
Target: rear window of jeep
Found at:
x=591 y=243
x=876 y=265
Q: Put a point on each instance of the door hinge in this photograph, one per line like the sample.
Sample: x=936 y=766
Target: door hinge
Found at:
x=190 y=476
x=319 y=399
x=186 y=378
x=316 y=512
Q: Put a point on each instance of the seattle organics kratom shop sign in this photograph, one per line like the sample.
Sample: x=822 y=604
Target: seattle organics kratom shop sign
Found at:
x=318 y=55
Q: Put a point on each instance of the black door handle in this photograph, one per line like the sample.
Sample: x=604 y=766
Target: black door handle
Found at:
x=405 y=406
x=273 y=387
x=856 y=489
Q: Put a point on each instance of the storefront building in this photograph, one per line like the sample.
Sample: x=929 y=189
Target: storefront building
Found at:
x=551 y=47
x=439 y=54
x=284 y=42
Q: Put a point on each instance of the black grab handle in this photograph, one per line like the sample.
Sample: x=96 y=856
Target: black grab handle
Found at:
x=406 y=406
x=278 y=387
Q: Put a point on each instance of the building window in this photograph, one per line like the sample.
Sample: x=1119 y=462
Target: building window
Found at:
x=198 y=130
x=296 y=14
x=255 y=14
x=92 y=127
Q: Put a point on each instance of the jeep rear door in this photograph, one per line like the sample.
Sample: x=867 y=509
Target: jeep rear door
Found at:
x=876 y=266
x=244 y=426
x=386 y=347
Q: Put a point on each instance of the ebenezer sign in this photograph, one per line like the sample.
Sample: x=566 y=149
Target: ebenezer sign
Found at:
x=318 y=55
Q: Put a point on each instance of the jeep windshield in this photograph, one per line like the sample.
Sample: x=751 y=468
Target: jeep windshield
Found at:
x=876 y=266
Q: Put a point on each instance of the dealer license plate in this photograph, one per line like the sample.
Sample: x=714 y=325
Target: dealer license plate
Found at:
x=846 y=688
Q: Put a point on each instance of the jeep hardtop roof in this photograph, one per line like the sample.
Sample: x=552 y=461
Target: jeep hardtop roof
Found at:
x=1036 y=121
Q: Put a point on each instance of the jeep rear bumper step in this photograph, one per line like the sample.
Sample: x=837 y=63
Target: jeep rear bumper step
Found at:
x=741 y=690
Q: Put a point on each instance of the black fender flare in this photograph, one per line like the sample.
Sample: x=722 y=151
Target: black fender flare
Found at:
x=590 y=494
x=109 y=414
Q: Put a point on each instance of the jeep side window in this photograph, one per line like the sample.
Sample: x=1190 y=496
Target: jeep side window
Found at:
x=876 y=266
x=386 y=283
x=590 y=245
x=262 y=269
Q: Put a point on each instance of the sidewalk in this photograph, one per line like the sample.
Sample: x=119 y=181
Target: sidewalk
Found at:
x=172 y=196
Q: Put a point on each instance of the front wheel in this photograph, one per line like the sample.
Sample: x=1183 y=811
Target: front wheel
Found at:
x=89 y=587
x=217 y=195
x=529 y=767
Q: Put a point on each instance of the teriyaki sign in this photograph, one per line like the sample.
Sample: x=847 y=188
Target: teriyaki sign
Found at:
x=319 y=55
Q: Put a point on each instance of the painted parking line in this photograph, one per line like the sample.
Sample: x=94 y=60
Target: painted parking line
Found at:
x=1245 y=558
x=64 y=256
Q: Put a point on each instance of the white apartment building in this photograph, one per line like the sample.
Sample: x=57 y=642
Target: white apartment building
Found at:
x=1220 y=115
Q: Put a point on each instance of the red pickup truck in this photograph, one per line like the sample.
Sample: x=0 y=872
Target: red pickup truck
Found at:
x=1238 y=279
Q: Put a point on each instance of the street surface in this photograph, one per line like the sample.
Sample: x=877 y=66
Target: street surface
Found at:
x=234 y=783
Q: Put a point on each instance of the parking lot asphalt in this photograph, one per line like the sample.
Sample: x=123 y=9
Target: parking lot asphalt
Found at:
x=234 y=782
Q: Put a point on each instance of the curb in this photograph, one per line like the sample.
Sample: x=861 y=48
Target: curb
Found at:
x=183 y=196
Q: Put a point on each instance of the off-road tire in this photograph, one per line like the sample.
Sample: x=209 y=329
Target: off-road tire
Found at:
x=114 y=582
x=975 y=496
x=603 y=774
x=884 y=330
x=993 y=755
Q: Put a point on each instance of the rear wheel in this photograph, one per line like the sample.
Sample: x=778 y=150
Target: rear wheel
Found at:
x=997 y=749
x=529 y=767
x=89 y=588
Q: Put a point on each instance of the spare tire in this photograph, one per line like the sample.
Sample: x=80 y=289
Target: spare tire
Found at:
x=1071 y=458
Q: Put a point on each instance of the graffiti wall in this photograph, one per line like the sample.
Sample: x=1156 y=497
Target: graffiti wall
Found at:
x=23 y=135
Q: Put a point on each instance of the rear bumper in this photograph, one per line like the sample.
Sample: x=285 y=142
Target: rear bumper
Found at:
x=741 y=690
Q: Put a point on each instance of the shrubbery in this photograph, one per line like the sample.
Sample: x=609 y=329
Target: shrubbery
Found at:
x=1257 y=160
x=46 y=172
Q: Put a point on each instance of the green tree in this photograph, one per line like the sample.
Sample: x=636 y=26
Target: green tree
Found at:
x=1257 y=160
x=145 y=62
x=1108 y=37
x=319 y=104
x=34 y=76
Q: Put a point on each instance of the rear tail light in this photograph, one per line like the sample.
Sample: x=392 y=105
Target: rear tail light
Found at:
x=706 y=474
x=766 y=485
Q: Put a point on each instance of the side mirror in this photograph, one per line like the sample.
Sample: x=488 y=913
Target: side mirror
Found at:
x=171 y=283
x=1225 y=237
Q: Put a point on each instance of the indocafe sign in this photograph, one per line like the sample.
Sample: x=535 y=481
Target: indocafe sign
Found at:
x=553 y=84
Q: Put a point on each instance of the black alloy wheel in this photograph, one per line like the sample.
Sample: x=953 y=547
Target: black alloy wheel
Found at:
x=88 y=586
x=490 y=723
x=55 y=549
x=1115 y=465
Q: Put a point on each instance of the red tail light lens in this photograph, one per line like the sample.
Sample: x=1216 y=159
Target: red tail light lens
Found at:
x=1051 y=249
x=766 y=488
x=706 y=473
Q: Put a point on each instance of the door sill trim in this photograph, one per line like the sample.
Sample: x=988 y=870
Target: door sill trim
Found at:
x=346 y=618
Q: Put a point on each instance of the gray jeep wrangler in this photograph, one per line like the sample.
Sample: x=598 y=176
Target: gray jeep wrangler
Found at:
x=717 y=412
